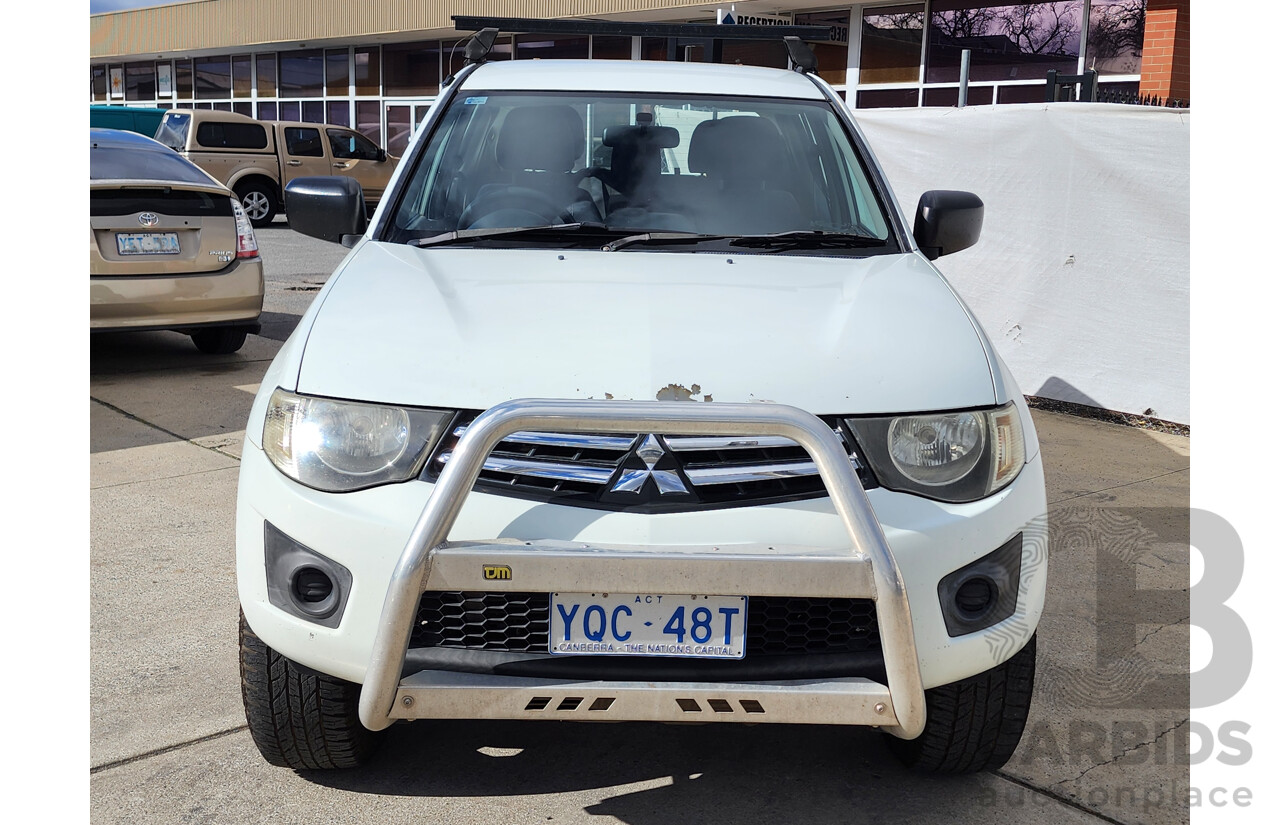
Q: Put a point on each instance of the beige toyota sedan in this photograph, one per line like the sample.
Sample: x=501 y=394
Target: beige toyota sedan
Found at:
x=169 y=246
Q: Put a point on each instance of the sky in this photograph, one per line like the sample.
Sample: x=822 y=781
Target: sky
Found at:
x=97 y=6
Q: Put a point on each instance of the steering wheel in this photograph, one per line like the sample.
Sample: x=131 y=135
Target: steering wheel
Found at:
x=517 y=199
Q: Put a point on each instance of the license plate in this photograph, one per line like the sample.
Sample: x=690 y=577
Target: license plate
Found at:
x=631 y=624
x=147 y=243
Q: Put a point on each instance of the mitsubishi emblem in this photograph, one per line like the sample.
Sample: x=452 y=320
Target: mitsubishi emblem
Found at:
x=650 y=452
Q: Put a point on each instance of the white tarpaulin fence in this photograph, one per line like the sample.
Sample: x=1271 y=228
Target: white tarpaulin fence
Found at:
x=1082 y=277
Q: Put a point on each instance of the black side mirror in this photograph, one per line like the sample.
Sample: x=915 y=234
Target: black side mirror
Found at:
x=947 y=221
x=325 y=207
x=382 y=155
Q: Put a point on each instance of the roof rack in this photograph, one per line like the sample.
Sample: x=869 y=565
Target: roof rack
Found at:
x=678 y=35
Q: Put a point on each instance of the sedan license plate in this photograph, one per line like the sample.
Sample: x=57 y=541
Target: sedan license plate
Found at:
x=631 y=624
x=147 y=243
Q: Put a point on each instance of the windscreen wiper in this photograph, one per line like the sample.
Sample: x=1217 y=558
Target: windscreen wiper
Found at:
x=809 y=239
x=463 y=235
x=662 y=237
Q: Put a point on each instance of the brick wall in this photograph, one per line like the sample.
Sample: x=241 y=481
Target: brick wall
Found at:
x=1166 y=50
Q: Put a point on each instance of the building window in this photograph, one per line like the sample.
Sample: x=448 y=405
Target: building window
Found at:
x=313 y=111
x=98 y=82
x=541 y=46
x=1012 y=46
x=833 y=57
x=399 y=129
x=337 y=75
x=266 y=75
x=412 y=69
x=185 y=85
x=242 y=76
x=140 y=81
x=610 y=48
x=771 y=53
x=950 y=95
x=1005 y=42
x=888 y=98
x=302 y=73
x=267 y=111
x=339 y=112
x=368 y=76
x=1033 y=93
x=213 y=77
x=369 y=119
x=1116 y=29
x=653 y=48
x=892 y=37
x=502 y=49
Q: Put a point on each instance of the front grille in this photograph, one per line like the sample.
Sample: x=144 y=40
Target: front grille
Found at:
x=519 y=623
x=688 y=472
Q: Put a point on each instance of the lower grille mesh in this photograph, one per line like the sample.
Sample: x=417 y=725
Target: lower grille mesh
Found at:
x=519 y=623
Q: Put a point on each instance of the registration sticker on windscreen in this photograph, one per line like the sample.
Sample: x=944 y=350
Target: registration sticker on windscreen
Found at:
x=147 y=243
x=638 y=624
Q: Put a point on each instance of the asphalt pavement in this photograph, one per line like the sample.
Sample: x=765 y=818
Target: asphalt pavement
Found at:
x=1106 y=742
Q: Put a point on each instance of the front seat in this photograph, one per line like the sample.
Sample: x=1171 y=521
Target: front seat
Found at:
x=741 y=157
x=537 y=149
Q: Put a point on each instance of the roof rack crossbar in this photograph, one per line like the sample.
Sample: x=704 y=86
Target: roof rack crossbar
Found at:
x=697 y=31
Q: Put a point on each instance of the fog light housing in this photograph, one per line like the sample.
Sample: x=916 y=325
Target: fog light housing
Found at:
x=983 y=593
x=311 y=586
x=975 y=596
x=303 y=583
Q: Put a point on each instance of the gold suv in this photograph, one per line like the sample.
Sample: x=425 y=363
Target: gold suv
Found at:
x=258 y=158
x=169 y=246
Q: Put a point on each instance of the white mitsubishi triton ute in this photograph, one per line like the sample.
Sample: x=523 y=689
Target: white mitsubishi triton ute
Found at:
x=639 y=399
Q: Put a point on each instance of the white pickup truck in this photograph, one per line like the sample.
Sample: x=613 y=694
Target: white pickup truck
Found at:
x=639 y=399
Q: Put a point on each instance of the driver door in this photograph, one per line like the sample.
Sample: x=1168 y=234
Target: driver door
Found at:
x=355 y=156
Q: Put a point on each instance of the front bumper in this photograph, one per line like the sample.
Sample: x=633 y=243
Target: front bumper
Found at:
x=825 y=547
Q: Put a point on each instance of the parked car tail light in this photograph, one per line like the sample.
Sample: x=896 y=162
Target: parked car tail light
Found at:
x=246 y=241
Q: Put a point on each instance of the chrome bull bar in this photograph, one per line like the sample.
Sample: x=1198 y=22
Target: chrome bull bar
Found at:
x=865 y=570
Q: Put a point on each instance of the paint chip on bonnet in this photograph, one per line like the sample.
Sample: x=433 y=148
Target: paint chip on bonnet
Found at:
x=679 y=392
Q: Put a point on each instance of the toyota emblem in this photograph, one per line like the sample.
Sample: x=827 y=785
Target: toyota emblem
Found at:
x=148 y=219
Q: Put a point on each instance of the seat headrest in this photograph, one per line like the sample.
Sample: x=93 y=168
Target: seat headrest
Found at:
x=546 y=138
x=739 y=146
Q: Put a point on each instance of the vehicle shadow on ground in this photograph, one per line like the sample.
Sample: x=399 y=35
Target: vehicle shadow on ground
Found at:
x=702 y=773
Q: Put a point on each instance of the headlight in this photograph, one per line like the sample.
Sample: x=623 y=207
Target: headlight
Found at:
x=958 y=456
x=340 y=446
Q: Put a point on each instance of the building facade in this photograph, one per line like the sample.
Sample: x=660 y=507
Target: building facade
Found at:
x=377 y=65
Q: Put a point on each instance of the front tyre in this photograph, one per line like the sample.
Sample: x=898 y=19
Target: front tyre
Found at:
x=973 y=724
x=298 y=718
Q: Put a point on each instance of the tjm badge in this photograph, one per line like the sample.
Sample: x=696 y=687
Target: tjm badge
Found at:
x=497 y=572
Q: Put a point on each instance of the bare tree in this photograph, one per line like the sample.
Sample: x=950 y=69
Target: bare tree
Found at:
x=901 y=20
x=966 y=22
x=1117 y=29
x=1041 y=28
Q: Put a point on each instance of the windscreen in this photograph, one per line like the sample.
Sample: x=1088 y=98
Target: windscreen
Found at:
x=639 y=162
